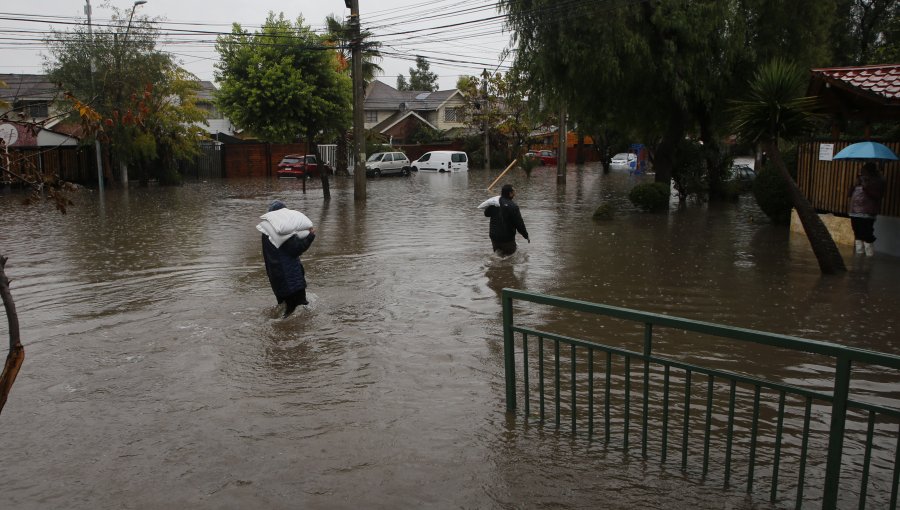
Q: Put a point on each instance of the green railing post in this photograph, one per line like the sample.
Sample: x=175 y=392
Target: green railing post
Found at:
x=509 y=360
x=836 y=432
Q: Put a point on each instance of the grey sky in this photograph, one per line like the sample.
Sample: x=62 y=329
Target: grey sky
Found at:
x=405 y=27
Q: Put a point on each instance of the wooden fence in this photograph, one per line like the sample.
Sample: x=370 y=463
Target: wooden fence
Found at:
x=72 y=163
x=257 y=159
x=826 y=183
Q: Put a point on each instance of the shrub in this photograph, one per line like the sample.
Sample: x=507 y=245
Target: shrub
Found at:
x=604 y=212
x=689 y=170
x=528 y=164
x=772 y=195
x=650 y=196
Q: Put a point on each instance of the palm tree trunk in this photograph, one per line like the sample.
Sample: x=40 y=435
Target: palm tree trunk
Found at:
x=827 y=254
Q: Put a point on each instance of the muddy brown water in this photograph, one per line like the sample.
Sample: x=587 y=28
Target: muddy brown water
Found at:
x=159 y=374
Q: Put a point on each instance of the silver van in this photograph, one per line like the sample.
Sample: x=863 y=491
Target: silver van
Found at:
x=387 y=163
x=442 y=161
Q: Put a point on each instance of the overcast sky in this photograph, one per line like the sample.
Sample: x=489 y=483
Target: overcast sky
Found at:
x=457 y=37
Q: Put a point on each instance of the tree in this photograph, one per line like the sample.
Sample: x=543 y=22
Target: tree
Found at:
x=146 y=102
x=865 y=32
x=662 y=70
x=283 y=83
x=774 y=110
x=402 y=84
x=501 y=103
x=421 y=78
x=339 y=35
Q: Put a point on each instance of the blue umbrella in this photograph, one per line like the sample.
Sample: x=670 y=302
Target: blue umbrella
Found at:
x=866 y=151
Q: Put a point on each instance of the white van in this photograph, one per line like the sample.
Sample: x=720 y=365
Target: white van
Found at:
x=442 y=161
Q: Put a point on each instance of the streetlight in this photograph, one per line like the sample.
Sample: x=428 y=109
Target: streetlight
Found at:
x=122 y=166
x=99 y=152
x=133 y=7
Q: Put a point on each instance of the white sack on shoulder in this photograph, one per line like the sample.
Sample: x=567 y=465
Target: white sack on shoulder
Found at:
x=274 y=237
x=287 y=221
x=493 y=201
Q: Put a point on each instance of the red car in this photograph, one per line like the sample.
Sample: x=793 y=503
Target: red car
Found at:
x=299 y=166
x=545 y=157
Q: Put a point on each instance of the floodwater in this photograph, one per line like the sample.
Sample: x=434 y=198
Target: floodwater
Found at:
x=158 y=373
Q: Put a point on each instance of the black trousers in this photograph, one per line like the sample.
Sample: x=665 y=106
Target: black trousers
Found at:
x=504 y=248
x=863 y=229
x=293 y=301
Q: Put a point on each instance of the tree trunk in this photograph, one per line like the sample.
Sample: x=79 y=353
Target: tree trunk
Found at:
x=827 y=254
x=711 y=156
x=341 y=162
x=16 y=352
x=664 y=158
x=323 y=174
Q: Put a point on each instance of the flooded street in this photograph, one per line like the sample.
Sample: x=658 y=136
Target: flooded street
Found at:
x=158 y=373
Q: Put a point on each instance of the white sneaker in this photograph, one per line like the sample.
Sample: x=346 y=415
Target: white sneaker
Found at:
x=859 y=247
x=870 y=250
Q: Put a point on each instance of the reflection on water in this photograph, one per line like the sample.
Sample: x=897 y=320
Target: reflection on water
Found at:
x=156 y=358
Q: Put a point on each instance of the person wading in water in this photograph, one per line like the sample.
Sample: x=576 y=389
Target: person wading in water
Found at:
x=506 y=220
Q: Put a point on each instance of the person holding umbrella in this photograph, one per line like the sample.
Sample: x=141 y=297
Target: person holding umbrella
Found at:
x=865 y=203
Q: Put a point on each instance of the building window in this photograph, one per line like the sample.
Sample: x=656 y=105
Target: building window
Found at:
x=453 y=115
x=371 y=116
x=33 y=109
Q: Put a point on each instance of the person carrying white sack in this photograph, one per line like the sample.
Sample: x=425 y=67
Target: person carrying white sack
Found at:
x=286 y=234
x=506 y=220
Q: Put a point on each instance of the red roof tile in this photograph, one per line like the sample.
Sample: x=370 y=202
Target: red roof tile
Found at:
x=881 y=80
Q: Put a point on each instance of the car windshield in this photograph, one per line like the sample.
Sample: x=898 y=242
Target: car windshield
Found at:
x=290 y=161
x=621 y=155
x=375 y=157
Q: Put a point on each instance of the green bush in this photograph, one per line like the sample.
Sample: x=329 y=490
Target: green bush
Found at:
x=604 y=212
x=689 y=170
x=650 y=196
x=528 y=164
x=772 y=195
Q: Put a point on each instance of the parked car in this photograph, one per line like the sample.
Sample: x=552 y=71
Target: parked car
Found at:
x=387 y=163
x=299 y=166
x=442 y=161
x=544 y=157
x=743 y=175
x=624 y=161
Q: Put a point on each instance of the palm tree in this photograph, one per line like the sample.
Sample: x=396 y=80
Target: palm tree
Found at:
x=777 y=110
x=340 y=35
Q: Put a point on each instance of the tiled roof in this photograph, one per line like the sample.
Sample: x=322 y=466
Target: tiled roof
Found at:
x=381 y=96
x=880 y=80
x=27 y=86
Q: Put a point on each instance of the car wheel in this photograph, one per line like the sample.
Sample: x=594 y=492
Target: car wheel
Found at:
x=415 y=169
x=377 y=173
x=404 y=171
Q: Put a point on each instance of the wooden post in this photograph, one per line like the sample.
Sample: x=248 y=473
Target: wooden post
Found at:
x=502 y=174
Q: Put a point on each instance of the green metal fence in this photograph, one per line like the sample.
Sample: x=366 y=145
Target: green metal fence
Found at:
x=595 y=395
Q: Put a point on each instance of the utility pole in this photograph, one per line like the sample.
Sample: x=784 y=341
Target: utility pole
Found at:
x=562 y=145
x=484 y=111
x=87 y=11
x=359 y=139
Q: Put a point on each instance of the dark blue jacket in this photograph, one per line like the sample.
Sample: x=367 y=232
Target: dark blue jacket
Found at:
x=286 y=274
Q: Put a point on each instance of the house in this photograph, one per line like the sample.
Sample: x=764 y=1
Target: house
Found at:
x=398 y=114
x=869 y=95
x=217 y=125
x=33 y=118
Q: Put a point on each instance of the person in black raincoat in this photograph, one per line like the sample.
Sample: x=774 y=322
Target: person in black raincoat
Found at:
x=506 y=220
x=286 y=274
